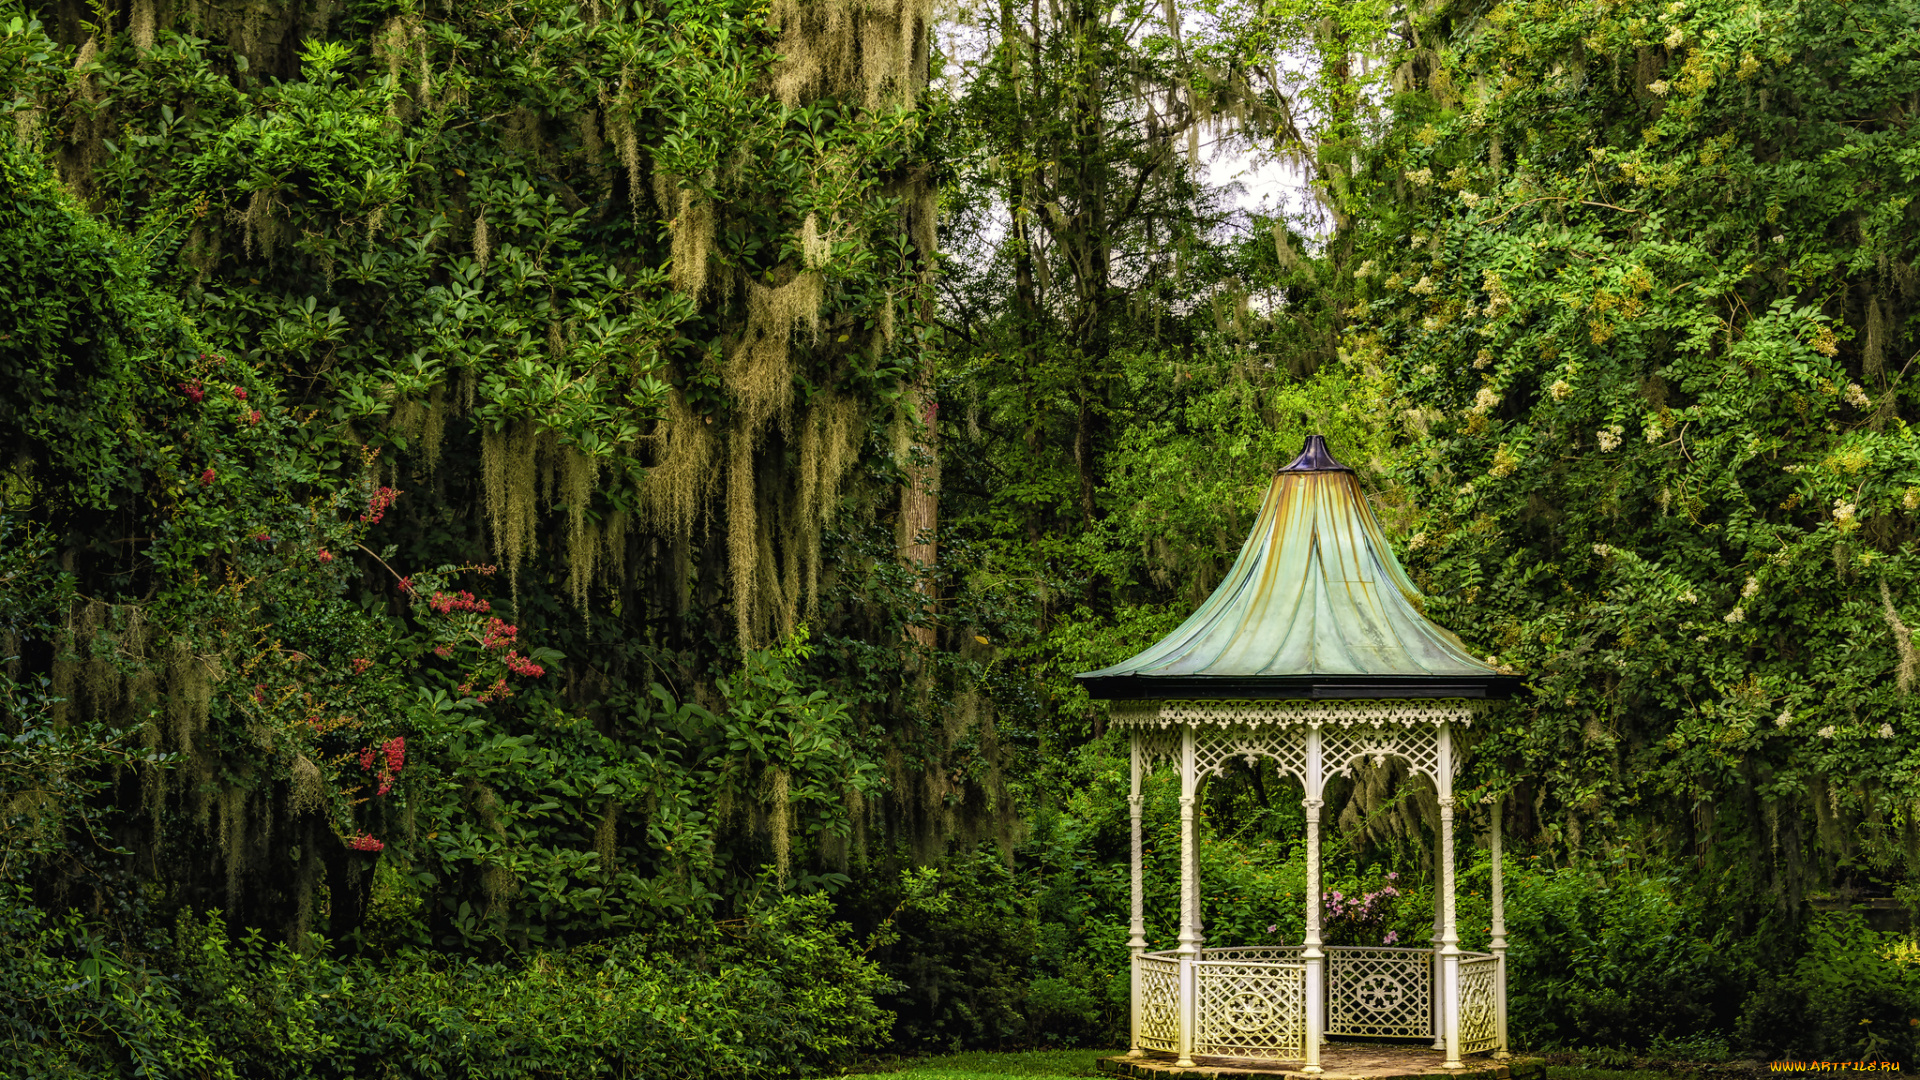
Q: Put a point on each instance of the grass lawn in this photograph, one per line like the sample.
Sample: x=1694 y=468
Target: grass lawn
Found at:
x=1077 y=1064
x=1583 y=1073
x=979 y=1065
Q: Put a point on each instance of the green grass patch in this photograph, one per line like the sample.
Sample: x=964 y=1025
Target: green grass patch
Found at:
x=1583 y=1073
x=980 y=1065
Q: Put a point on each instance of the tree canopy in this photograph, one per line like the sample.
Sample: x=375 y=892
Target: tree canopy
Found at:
x=629 y=482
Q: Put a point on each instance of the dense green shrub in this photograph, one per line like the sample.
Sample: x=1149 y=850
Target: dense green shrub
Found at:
x=1614 y=961
x=777 y=994
x=1853 y=995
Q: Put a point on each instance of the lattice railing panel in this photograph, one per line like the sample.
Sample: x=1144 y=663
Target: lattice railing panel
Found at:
x=1380 y=992
x=1159 y=1003
x=1250 y=1009
x=1479 y=1004
x=1287 y=746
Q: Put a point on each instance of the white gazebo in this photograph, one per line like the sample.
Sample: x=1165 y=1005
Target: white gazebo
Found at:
x=1313 y=653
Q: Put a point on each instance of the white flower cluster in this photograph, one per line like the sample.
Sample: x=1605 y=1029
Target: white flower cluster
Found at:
x=1857 y=397
x=1688 y=597
x=1424 y=287
x=1751 y=589
x=1655 y=431
x=1418 y=541
x=1472 y=200
x=1422 y=177
x=1843 y=512
x=1737 y=615
x=1886 y=731
x=1658 y=88
x=1366 y=269
x=1485 y=400
x=1610 y=438
x=1785 y=718
x=1826 y=732
x=1676 y=38
x=1911 y=500
x=1603 y=550
x=1560 y=389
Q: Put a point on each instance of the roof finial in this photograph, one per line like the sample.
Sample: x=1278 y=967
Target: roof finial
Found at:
x=1315 y=457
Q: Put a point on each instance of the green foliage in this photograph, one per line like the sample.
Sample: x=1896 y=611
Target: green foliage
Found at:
x=517 y=838
x=271 y=270
x=780 y=993
x=1852 y=995
x=131 y=433
x=1640 y=300
x=1623 y=961
x=634 y=302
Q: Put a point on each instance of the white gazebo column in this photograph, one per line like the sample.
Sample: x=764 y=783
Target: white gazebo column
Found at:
x=1449 y=933
x=1436 y=982
x=1499 y=945
x=1190 y=941
x=1137 y=926
x=1316 y=974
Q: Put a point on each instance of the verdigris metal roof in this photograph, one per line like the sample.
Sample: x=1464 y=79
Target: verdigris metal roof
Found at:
x=1316 y=606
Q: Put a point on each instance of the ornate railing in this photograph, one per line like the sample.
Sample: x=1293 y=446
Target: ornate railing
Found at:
x=1250 y=1001
x=1479 y=1003
x=1251 y=1008
x=1380 y=992
x=1159 y=1004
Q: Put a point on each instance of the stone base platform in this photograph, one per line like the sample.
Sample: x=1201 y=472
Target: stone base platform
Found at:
x=1339 y=1061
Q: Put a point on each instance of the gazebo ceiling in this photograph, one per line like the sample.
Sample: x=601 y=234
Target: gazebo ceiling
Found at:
x=1316 y=606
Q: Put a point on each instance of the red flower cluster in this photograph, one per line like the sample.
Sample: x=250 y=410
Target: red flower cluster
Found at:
x=443 y=651
x=366 y=842
x=498 y=635
x=520 y=665
x=240 y=392
x=361 y=664
x=195 y=392
x=406 y=585
x=325 y=555
x=377 y=505
x=445 y=603
x=264 y=538
x=390 y=758
x=206 y=478
x=254 y=418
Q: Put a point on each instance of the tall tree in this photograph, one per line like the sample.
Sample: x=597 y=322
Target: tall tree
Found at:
x=1640 y=292
x=616 y=297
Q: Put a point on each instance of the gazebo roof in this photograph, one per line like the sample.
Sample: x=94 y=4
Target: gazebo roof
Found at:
x=1316 y=606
